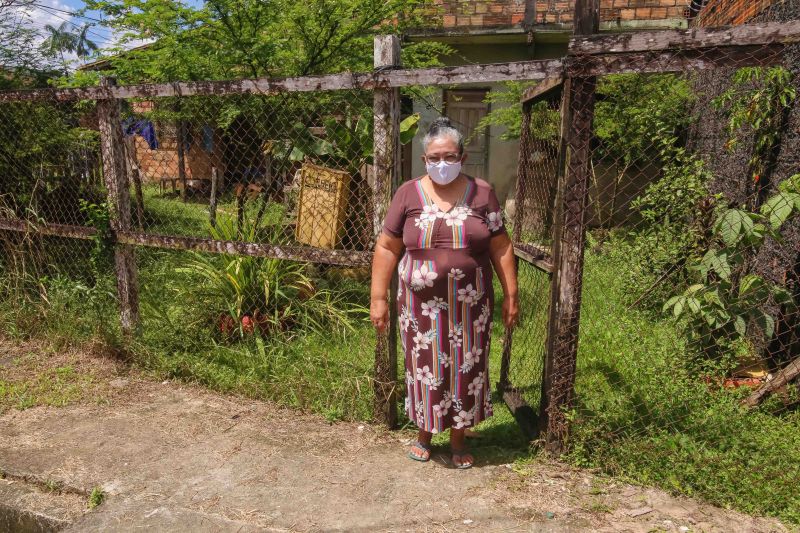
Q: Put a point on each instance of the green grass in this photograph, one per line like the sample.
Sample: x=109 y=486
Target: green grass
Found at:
x=166 y=213
x=642 y=413
x=96 y=498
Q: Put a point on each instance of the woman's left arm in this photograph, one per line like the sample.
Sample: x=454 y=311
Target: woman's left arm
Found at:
x=501 y=251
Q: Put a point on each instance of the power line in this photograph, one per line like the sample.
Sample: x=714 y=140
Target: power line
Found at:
x=88 y=31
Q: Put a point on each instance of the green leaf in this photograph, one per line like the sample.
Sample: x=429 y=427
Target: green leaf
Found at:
x=719 y=263
x=409 y=127
x=750 y=283
x=740 y=325
x=678 y=309
x=778 y=208
x=766 y=323
x=729 y=225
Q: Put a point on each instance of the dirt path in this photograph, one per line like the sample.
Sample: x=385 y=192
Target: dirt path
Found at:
x=172 y=457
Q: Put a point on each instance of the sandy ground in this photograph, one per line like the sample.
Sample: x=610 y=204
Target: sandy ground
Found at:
x=173 y=457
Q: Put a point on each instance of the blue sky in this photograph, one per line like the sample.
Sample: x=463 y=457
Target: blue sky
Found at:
x=54 y=12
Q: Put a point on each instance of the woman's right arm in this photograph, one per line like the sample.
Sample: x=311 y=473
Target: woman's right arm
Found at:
x=387 y=253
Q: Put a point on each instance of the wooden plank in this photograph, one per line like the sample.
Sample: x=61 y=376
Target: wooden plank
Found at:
x=119 y=204
x=781 y=379
x=202 y=244
x=212 y=202
x=197 y=244
x=180 y=129
x=645 y=41
x=558 y=218
x=535 y=256
x=55 y=230
x=683 y=61
x=485 y=73
x=565 y=298
x=544 y=90
x=587 y=17
x=386 y=167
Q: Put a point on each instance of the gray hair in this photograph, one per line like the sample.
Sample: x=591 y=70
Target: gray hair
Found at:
x=443 y=128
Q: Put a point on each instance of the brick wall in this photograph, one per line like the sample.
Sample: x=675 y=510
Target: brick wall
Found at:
x=466 y=14
x=162 y=163
x=730 y=12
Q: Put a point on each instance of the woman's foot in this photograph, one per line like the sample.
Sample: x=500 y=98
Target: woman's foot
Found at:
x=421 y=450
x=460 y=454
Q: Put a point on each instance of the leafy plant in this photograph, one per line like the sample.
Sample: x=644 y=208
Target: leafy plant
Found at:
x=720 y=307
x=755 y=102
x=248 y=294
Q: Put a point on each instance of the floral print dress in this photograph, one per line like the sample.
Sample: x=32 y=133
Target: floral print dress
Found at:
x=445 y=302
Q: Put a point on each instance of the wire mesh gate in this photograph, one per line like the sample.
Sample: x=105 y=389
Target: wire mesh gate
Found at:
x=656 y=230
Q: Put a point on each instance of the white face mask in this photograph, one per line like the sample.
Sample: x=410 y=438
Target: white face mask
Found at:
x=443 y=172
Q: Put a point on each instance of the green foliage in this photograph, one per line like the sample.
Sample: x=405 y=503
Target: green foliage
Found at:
x=755 y=102
x=275 y=296
x=506 y=111
x=36 y=160
x=231 y=39
x=673 y=210
x=719 y=307
x=639 y=117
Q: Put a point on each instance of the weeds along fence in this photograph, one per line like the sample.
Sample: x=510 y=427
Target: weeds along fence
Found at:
x=215 y=217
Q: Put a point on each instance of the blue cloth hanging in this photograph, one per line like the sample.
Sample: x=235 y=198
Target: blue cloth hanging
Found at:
x=142 y=127
x=208 y=138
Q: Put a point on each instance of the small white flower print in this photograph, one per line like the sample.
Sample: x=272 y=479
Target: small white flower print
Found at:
x=463 y=419
x=440 y=303
x=468 y=295
x=405 y=319
x=435 y=383
x=444 y=359
x=476 y=386
x=480 y=324
x=457 y=404
x=456 y=273
x=494 y=220
x=483 y=319
x=430 y=308
x=424 y=375
x=471 y=358
x=420 y=410
x=456 y=216
x=455 y=334
x=431 y=212
x=422 y=277
x=443 y=406
x=421 y=341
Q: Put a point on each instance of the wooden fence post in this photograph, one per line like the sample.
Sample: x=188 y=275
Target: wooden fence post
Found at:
x=119 y=206
x=386 y=116
x=568 y=242
x=212 y=202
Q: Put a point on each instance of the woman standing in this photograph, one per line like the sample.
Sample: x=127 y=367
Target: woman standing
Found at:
x=451 y=228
